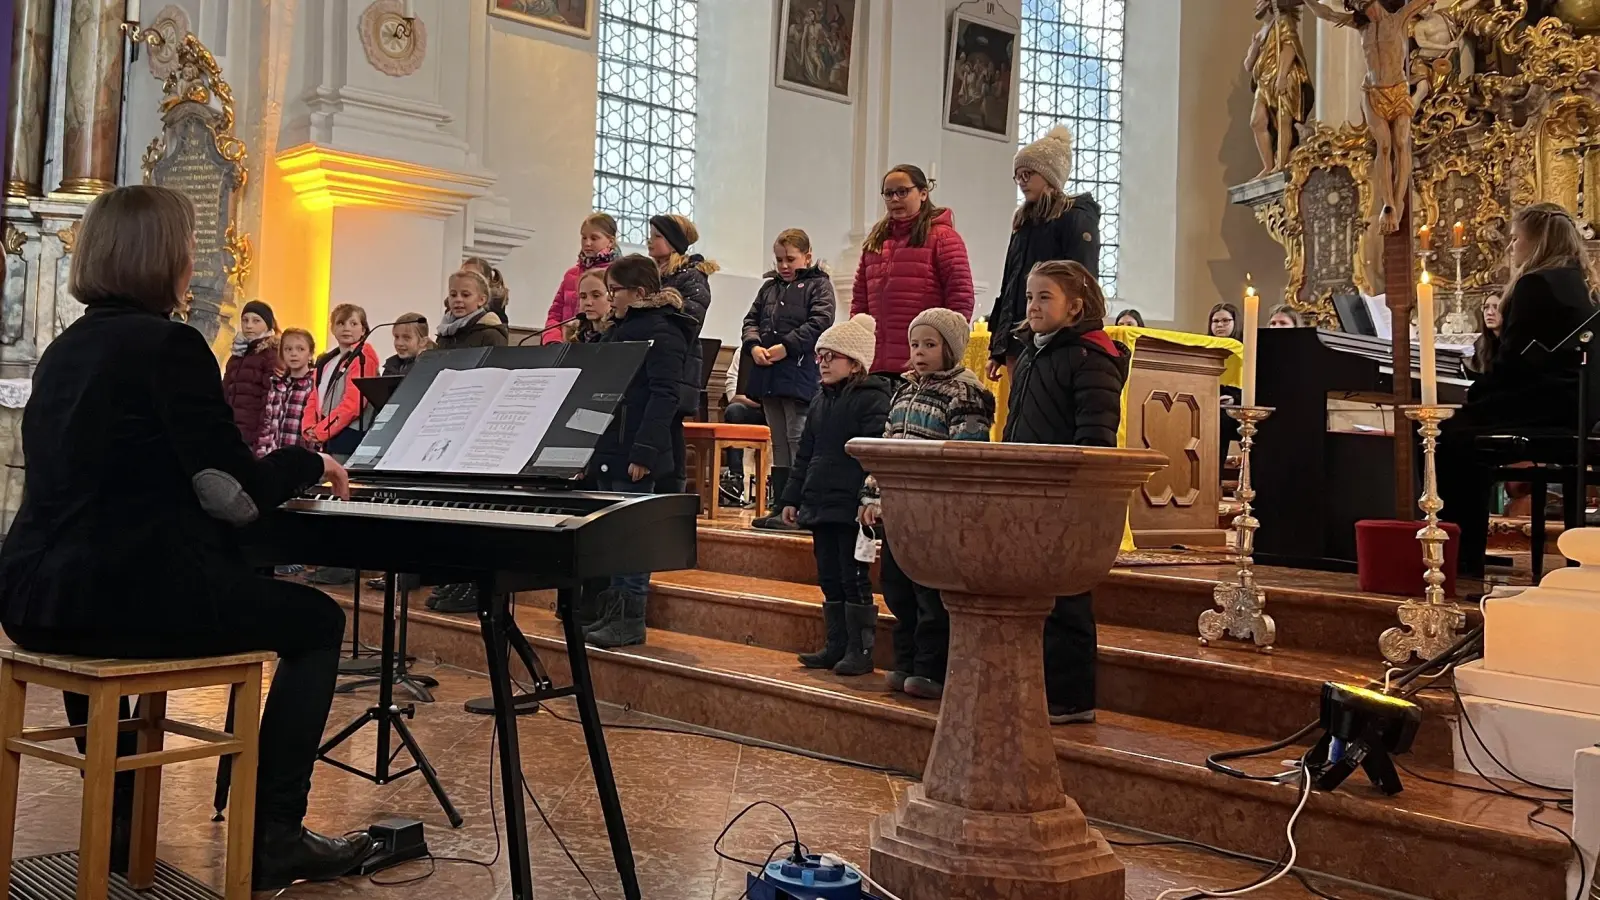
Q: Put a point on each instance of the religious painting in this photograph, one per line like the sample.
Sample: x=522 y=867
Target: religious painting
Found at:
x=575 y=17
x=980 y=91
x=816 y=44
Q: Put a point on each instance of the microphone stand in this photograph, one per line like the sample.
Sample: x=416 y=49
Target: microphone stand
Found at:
x=540 y=332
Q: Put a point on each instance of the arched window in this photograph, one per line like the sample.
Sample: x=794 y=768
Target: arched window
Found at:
x=1072 y=73
x=645 y=129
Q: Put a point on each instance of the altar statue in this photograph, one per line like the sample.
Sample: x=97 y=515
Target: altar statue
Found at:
x=1277 y=67
x=1384 y=27
x=1442 y=46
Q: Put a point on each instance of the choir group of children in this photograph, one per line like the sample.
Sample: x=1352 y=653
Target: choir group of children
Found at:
x=892 y=368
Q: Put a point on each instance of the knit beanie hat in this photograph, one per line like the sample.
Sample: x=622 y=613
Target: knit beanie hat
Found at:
x=855 y=338
x=954 y=329
x=1050 y=156
x=263 y=310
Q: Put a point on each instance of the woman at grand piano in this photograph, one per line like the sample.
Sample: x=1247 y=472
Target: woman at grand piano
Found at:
x=1552 y=293
x=126 y=543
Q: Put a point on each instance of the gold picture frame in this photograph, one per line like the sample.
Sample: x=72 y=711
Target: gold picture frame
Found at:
x=573 y=17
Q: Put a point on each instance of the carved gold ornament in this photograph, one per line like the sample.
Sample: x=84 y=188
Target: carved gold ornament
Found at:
x=68 y=237
x=14 y=240
x=1348 y=147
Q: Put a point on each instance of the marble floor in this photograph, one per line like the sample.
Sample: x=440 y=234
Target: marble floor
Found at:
x=678 y=790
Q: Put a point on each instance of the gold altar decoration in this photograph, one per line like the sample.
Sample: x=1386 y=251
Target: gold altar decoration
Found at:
x=1430 y=626
x=197 y=152
x=1241 y=612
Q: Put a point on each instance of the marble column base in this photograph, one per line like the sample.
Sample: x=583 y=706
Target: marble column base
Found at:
x=926 y=848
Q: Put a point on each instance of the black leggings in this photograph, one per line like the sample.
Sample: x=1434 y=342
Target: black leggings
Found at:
x=301 y=624
x=921 y=625
x=1070 y=647
x=842 y=577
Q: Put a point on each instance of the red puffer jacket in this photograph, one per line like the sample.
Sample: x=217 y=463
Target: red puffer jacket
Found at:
x=245 y=382
x=899 y=281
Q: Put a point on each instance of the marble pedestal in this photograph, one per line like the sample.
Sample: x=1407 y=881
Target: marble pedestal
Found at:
x=1534 y=698
x=1001 y=530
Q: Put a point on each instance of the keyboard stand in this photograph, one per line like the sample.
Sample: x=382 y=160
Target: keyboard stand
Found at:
x=500 y=637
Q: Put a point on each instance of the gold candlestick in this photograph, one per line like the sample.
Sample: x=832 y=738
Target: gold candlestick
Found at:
x=1241 y=611
x=1429 y=626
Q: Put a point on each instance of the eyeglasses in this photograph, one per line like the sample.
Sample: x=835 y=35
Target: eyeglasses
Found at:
x=826 y=357
x=1023 y=176
x=897 y=193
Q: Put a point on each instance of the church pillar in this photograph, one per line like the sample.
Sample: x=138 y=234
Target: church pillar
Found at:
x=32 y=41
x=89 y=146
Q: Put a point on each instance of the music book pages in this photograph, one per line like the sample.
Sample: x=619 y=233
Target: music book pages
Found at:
x=479 y=421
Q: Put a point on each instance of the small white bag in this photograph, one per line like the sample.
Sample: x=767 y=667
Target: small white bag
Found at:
x=867 y=546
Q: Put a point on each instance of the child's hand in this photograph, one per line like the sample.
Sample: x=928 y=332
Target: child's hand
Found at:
x=993 y=369
x=777 y=354
x=758 y=355
x=637 y=472
x=789 y=515
x=868 y=516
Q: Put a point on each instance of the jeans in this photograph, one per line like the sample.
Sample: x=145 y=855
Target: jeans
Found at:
x=740 y=414
x=1070 y=645
x=636 y=583
x=301 y=624
x=843 y=578
x=921 y=625
x=787 y=419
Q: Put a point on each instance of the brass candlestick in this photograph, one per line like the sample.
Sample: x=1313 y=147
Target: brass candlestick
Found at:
x=1429 y=626
x=1241 y=611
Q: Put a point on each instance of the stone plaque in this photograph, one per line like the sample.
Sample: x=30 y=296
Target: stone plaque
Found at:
x=192 y=164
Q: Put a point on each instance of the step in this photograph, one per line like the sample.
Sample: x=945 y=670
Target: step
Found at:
x=1154 y=674
x=1130 y=770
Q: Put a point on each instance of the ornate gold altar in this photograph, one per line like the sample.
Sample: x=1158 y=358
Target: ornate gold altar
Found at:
x=1508 y=114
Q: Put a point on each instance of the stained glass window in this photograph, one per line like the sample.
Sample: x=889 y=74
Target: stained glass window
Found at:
x=1072 y=74
x=645 y=134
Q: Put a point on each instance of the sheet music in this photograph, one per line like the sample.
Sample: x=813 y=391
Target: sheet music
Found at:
x=485 y=421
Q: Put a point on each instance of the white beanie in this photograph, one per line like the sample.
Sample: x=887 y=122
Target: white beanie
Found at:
x=1050 y=156
x=855 y=338
x=953 y=328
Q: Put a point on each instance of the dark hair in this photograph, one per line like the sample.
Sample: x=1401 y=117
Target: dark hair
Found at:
x=1077 y=283
x=1238 y=324
x=635 y=272
x=1132 y=313
x=1487 y=344
x=344 y=312
x=311 y=342
x=133 y=246
x=919 y=226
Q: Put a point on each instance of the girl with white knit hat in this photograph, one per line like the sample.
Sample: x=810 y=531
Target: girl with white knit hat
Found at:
x=1050 y=224
x=825 y=485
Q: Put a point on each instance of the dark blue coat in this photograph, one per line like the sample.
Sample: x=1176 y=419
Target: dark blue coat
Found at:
x=794 y=314
x=641 y=430
x=692 y=282
x=825 y=481
x=1075 y=235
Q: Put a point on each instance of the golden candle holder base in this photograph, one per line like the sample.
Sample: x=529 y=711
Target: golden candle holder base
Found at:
x=1430 y=626
x=1241 y=612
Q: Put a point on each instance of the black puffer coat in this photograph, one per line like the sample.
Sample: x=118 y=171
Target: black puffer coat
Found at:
x=691 y=279
x=825 y=482
x=641 y=430
x=793 y=314
x=1070 y=390
x=1075 y=235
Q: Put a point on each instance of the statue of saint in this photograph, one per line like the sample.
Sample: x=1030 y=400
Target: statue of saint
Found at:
x=1384 y=26
x=1277 y=67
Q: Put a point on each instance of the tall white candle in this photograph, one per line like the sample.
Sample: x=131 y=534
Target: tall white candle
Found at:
x=1252 y=316
x=1430 y=372
x=130 y=12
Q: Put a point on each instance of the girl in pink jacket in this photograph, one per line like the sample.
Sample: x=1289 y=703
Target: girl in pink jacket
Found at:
x=913 y=260
x=598 y=235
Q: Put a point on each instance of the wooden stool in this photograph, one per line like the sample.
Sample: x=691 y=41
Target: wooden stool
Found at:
x=105 y=682
x=709 y=439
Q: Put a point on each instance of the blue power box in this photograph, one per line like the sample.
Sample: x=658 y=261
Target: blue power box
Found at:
x=812 y=880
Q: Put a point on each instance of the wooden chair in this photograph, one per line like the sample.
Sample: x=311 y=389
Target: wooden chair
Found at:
x=105 y=682
x=707 y=440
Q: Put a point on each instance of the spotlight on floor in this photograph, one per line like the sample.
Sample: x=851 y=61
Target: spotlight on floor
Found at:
x=1363 y=728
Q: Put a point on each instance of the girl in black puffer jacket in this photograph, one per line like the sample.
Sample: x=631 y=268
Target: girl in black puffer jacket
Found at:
x=670 y=239
x=1067 y=389
x=825 y=486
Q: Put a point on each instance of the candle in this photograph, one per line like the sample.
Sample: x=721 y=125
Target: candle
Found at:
x=1430 y=371
x=1252 y=315
x=131 y=11
x=410 y=9
x=1457 y=235
x=1425 y=237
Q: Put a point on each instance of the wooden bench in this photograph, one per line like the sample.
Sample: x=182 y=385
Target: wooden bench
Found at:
x=708 y=440
x=105 y=682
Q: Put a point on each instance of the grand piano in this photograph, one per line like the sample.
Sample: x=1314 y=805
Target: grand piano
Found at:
x=527 y=531
x=1325 y=458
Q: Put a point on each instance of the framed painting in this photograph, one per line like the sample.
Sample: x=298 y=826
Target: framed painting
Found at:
x=816 y=47
x=981 y=79
x=574 y=17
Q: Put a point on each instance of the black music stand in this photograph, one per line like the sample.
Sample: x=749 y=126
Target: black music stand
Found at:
x=416 y=685
x=376 y=391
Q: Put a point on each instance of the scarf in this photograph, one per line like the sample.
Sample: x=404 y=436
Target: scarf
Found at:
x=1040 y=340
x=450 y=325
x=588 y=261
x=241 y=344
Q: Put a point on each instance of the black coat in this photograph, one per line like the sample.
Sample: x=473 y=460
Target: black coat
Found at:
x=641 y=430
x=1534 y=388
x=488 y=331
x=127 y=414
x=1075 y=235
x=825 y=482
x=398 y=365
x=793 y=314
x=692 y=282
x=1069 y=391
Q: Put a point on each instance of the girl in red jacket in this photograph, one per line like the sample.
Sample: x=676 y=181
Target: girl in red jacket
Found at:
x=247 y=377
x=597 y=248
x=333 y=414
x=913 y=260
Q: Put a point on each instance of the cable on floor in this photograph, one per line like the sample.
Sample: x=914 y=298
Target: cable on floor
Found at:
x=1272 y=877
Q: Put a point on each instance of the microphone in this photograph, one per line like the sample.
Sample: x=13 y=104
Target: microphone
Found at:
x=540 y=332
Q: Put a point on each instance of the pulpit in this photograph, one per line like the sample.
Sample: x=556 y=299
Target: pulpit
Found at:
x=1000 y=530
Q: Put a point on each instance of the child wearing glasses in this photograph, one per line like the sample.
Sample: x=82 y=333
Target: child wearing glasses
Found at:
x=1050 y=224
x=912 y=260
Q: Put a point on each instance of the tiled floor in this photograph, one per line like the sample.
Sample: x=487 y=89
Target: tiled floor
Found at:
x=678 y=791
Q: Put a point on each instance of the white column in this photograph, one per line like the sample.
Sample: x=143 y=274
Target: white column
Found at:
x=1340 y=71
x=1147 y=278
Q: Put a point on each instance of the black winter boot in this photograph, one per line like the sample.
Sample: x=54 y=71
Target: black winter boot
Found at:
x=626 y=630
x=773 y=520
x=861 y=632
x=833 y=620
x=609 y=609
